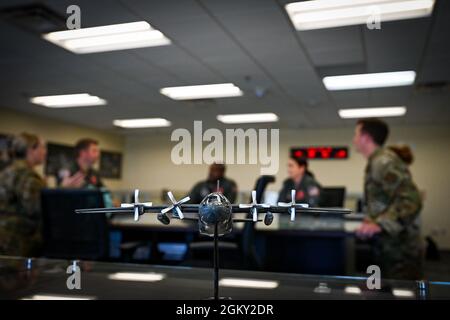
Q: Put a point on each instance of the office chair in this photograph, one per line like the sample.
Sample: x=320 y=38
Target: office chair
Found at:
x=248 y=247
x=68 y=235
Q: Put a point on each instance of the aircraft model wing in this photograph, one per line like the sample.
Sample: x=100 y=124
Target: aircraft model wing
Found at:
x=124 y=210
x=179 y=208
x=280 y=209
x=246 y=220
x=139 y=208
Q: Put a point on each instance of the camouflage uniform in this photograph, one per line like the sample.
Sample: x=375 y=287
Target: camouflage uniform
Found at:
x=308 y=191
x=226 y=186
x=20 y=216
x=393 y=201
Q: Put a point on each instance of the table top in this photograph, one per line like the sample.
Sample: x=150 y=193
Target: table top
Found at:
x=22 y=278
x=346 y=224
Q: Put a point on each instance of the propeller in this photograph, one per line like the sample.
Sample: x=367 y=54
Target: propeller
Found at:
x=138 y=206
x=175 y=205
x=254 y=206
x=292 y=205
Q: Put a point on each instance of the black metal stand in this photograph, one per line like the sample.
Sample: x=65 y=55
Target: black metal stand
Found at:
x=216 y=266
x=216 y=263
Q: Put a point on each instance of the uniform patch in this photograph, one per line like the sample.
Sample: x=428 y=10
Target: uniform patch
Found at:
x=313 y=192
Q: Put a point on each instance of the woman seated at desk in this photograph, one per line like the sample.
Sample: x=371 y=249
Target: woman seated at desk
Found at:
x=303 y=181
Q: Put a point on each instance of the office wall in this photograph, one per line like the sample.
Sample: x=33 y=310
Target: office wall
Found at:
x=59 y=132
x=148 y=166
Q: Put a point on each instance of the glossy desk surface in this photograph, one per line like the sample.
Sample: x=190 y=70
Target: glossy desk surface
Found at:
x=347 y=223
x=30 y=278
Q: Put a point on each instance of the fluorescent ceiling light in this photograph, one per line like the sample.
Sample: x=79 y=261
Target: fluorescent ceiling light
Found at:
x=142 y=123
x=108 y=38
x=220 y=90
x=57 y=297
x=372 y=112
x=248 y=283
x=247 y=118
x=68 y=100
x=141 y=277
x=318 y=14
x=403 y=293
x=370 y=80
x=352 y=290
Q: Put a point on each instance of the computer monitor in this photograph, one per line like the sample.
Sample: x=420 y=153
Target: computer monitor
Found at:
x=332 y=197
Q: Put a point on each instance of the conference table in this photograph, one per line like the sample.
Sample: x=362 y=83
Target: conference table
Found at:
x=314 y=244
x=23 y=278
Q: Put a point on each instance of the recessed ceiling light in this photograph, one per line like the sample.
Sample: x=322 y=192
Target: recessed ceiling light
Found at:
x=370 y=80
x=248 y=283
x=220 y=90
x=68 y=100
x=134 y=276
x=108 y=38
x=372 y=112
x=318 y=14
x=247 y=118
x=142 y=123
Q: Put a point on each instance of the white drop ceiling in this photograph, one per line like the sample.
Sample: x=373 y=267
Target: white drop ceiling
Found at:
x=250 y=43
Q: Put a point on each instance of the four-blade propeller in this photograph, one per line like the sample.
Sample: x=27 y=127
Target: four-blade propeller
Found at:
x=175 y=205
x=138 y=206
x=292 y=205
x=254 y=206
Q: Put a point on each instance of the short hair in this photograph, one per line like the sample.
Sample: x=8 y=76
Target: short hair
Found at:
x=377 y=129
x=84 y=144
x=219 y=165
x=22 y=143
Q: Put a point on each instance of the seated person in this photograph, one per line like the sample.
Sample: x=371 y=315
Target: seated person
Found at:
x=82 y=174
x=226 y=186
x=20 y=195
x=303 y=181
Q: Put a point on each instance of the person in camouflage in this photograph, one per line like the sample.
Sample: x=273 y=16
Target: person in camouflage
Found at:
x=20 y=192
x=303 y=181
x=392 y=203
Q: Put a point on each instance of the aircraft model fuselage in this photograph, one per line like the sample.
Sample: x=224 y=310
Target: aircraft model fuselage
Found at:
x=215 y=209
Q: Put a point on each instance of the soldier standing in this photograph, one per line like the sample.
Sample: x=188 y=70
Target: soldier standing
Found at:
x=392 y=202
x=20 y=192
x=303 y=181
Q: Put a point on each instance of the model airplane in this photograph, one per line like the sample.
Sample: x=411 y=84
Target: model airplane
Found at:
x=215 y=209
x=214 y=215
